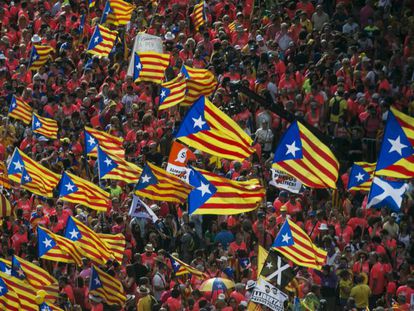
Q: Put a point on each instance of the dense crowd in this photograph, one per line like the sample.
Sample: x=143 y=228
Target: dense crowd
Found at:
x=337 y=65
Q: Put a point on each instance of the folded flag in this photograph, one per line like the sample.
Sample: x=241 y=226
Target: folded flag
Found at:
x=302 y=155
x=77 y=190
x=156 y=184
x=95 y=138
x=384 y=193
x=39 y=56
x=199 y=82
x=20 y=110
x=181 y=268
x=102 y=41
x=199 y=15
x=4 y=176
x=117 y=12
x=360 y=177
x=173 y=92
x=8 y=298
x=150 y=66
x=216 y=195
x=177 y=160
x=57 y=248
x=116 y=243
x=396 y=157
x=293 y=243
x=276 y=269
x=206 y=128
x=31 y=175
x=93 y=246
x=6 y=209
x=141 y=210
x=107 y=287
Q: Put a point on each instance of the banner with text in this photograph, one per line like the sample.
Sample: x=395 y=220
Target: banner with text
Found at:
x=268 y=295
x=285 y=181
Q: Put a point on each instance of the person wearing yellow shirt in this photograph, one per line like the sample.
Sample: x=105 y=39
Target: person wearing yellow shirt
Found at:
x=305 y=22
x=145 y=300
x=360 y=293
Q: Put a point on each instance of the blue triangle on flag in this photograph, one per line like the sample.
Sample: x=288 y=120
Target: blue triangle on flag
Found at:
x=95 y=281
x=284 y=237
x=66 y=185
x=16 y=165
x=105 y=163
x=137 y=66
x=195 y=120
x=202 y=192
x=357 y=176
x=36 y=124
x=290 y=145
x=165 y=92
x=96 y=38
x=45 y=241
x=146 y=179
x=72 y=232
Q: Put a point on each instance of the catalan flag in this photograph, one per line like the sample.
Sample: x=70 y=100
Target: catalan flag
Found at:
x=93 y=246
x=173 y=92
x=199 y=15
x=293 y=243
x=360 y=176
x=199 y=82
x=156 y=184
x=95 y=138
x=113 y=167
x=39 y=56
x=91 y=3
x=20 y=110
x=117 y=12
x=181 y=268
x=47 y=306
x=44 y=126
x=302 y=155
x=206 y=128
x=77 y=190
x=9 y=300
x=150 y=66
x=116 y=243
x=4 y=176
x=23 y=290
x=57 y=248
x=102 y=41
x=232 y=26
x=396 y=157
x=107 y=287
x=31 y=175
x=6 y=209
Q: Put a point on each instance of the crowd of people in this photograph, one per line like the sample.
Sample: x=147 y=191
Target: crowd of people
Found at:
x=336 y=65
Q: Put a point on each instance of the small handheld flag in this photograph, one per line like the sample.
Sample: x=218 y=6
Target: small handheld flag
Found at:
x=360 y=177
x=173 y=92
x=150 y=66
x=44 y=126
x=102 y=41
x=111 y=143
x=39 y=56
x=107 y=287
x=20 y=110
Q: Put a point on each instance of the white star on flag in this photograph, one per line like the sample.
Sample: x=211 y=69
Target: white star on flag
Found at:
x=146 y=178
x=285 y=238
x=292 y=149
x=47 y=242
x=138 y=66
x=37 y=124
x=18 y=166
x=96 y=39
x=269 y=265
x=69 y=187
x=108 y=162
x=396 y=145
x=360 y=176
x=204 y=188
x=163 y=93
x=74 y=234
x=198 y=122
x=97 y=281
x=91 y=141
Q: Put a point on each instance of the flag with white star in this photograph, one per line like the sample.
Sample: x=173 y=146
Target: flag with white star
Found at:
x=180 y=268
x=302 y=155
x=117 y=12
x=206 y=128
x=102 y=41
x=157 y=184
x=115 y=168
x=199 y=82
x=75 y=189
x=20 y=110
x=385 y=193
x=293 y=243
x=111 y=143
x=107 y=287
x=277 y=270
x=173 y=92
x=39 y=56
x=150 y=66
x=217 y=195
x=9 y=300
x=44 y=126
x=360 y=176
x=31 y=175
x=396 y=156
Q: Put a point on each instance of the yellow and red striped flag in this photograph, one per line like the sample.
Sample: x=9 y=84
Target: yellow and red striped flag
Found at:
x=207 y=128
x=116 y=243
x=199 y=15
x=107 y=287
x=302 y=155
x=293 y=243
x=44 y=126
x=113 y=167
x=31 y=175
x=173 y=92
x=156 y=184
x=117 y=12
x=39 y=56
x=181 y=268
x=77 y=190
x=4 y=176
x=360 y=176
x=95 y=138
x=150 y=66
x=6 y=209
x=199 y=82
x=102 y=41
x=20 y=110
x=8 y=298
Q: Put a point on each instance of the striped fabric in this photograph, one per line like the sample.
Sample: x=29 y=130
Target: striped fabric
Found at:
x=44 y=126
x=199 y=82
x=6 y=209
x=31 y=175
x=25 y=293
x=232 y=26
x=360 y=176
x=20 y=110
x=39 y=56
x=102 y=41
x=117 y=12
x=4 y=177
x=8 y=298
x=116 y=243
x=181 y=268
x=93 y=138
x=173 y=92
x=107 y=287
x=150 y=66
x=206 y=128
x=198 y=16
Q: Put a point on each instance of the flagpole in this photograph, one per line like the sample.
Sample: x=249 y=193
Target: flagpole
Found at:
x=153 y=14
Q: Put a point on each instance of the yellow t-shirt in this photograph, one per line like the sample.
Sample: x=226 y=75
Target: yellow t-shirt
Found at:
x=144 y=303
x=343 y=284
x=361 y=293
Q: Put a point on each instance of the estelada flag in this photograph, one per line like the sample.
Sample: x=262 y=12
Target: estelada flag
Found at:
x=178 y=159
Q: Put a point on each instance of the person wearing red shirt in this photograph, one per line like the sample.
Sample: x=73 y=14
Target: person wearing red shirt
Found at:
x=19 y=238
x=358 y=221
x=376 y=279
x=407 y=290
x=280 y=201
x=238 y=244
x=344 y=231
x=293 y=205
x=66 y=288
x=174 y=302
x=148 y=258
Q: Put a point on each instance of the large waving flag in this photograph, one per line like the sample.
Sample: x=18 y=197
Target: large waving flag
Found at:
x=293 y=243
x=199 y=82
x=116 y=243
x=20 y=110
x=111 y=143
x=31 y=175
x=150 y=66
x=207 y=128
x=216 y=195
x=39 y=56
x=107 y=287
x=102 y=41
x=181 y=268
x=93 y=246
x=156 y=184
x=8 y=298
x=360 y=177
x=173 y=92
x=302 y=155
x=77 y=190
x=396 y=157
x=113 y=167
x=58 y=248
x=117 y=12
x=199 y=15
x=25 y=294
x=44 y=126
x=384 y=193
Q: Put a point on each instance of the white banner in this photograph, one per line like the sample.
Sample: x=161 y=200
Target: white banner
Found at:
x=141 y=210
x=180 y=171
x=268 y=295
x=285 y=181
x=145 y=43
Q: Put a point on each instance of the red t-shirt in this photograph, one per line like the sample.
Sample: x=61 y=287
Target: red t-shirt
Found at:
x=377 y=272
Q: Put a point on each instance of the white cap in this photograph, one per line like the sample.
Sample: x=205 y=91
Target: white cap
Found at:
x=36 y=38
x=259 y=38
x=169 y=36
x=323 y=227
